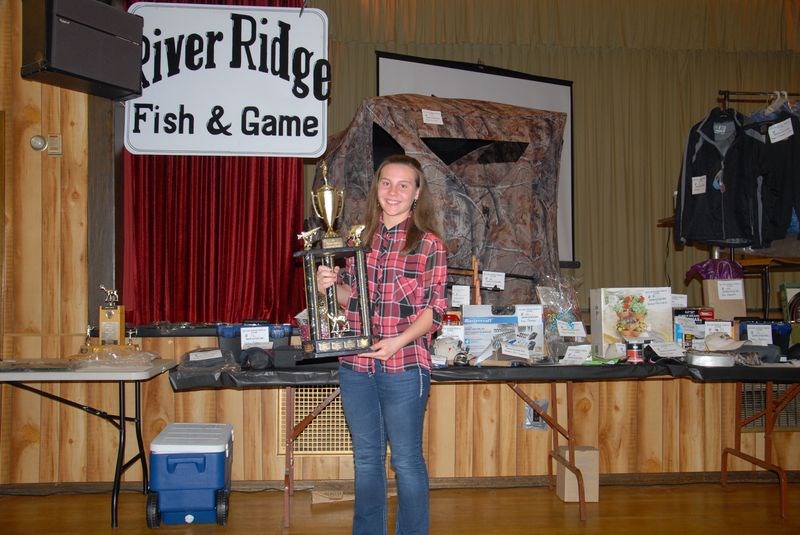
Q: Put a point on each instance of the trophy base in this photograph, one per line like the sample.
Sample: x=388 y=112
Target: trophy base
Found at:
x=345 y=345
x=332 y=242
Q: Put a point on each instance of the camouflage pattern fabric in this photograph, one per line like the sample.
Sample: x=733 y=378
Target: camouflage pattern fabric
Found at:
x=492 y=168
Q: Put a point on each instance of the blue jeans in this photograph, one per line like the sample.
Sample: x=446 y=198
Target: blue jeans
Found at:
x=380 y=406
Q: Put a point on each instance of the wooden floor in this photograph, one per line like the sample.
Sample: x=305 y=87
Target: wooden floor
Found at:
x=740 y=508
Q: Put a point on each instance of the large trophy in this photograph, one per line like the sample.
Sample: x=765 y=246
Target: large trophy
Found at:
x=330 y=333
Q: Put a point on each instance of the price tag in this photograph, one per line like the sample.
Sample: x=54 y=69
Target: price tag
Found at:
x=719 y=327
x=528 y=315
x=680 y=300
x=459 y=296
x=493 y=279
x=432 y=117
x=255 y=337
x=576 y=355
x=197 y=356
x=455 y=331
x=780 y=131
x=571 y=328
x=698 y=185
x=730 y=290
x=759 y=334
x=667 y=349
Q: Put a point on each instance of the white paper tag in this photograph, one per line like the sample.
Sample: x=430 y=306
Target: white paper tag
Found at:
x=528 y=315
x=680 y=300
x=698 y=185
x=493 y=279
x=440 y=361
x=455 y=331
x=571 y=328
x=432 y=116
x=719 y=327
x=780 y=131
x=759 y=334
x=255 y=337
x=730 y=290
x=576 y=355
x=196 y=356
x=459 y=296
x=667 y=349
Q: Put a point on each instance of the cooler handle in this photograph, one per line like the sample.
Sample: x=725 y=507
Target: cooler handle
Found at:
x=172 y=463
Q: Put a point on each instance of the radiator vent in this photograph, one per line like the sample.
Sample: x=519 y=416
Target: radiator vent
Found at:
x=327 y=434
x=754 y=400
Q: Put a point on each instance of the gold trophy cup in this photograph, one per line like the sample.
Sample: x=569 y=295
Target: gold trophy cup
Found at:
x=328 y=203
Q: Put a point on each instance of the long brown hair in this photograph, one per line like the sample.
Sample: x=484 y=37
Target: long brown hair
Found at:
x=423 y=217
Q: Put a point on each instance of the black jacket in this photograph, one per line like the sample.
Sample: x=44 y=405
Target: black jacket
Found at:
x=711 y=205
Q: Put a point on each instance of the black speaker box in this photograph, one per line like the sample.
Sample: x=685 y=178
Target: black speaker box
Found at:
x=83 y=45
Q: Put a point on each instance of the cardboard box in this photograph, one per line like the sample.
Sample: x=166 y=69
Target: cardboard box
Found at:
x=587 y=459
x=726 y=297
x=620 y=314
x=515 y=330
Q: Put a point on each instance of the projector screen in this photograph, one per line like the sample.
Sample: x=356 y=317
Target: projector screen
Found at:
x=448 y=79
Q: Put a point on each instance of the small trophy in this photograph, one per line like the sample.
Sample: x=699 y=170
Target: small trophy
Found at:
x=330 y=332
x=328 y=203
x=111 y=324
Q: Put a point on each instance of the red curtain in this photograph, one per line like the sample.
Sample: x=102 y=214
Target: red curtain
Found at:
x=210 y=239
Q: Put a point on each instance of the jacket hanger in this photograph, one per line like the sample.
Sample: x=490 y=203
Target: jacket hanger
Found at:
x=777 y=102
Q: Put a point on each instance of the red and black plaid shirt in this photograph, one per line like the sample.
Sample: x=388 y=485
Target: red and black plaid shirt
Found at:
x=401 y=287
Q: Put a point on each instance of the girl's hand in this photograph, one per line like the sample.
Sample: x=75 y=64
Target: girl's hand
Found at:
x=384 y=348
x=326 y=277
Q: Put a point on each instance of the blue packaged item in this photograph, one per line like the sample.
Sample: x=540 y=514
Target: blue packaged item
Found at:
x=190 y=474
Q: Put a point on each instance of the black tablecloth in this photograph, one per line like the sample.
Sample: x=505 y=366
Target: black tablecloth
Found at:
x=307 y=372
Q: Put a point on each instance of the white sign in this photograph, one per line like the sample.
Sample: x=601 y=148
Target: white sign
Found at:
x=571 y=328
x=729 y=290
x=230 y=81
x=493 y=280
x=459 y=296
x=255 y=337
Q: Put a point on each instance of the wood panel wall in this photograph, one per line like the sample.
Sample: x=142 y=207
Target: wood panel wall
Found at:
x=471 y=430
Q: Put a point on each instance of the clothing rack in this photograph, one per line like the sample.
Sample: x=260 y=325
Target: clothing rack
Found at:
x=762 y=270
x=726 y=94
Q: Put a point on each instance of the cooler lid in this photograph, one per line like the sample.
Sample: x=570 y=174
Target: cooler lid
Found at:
x=193 y=438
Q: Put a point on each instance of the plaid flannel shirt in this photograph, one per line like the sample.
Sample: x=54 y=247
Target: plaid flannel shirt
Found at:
x=401 y=287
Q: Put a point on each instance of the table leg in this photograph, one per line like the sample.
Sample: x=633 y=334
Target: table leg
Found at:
x=138 y=428
x=120 y=455
x=288 y=475
x=119 y=421
x=772 y=407
x=558 y=429
x=292 y=432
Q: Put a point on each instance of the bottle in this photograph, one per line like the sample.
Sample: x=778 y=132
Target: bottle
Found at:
x=451 y=318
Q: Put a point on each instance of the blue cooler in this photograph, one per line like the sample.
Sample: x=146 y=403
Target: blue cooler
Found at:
x=190 y=474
